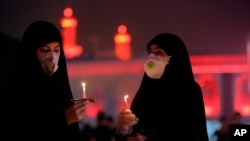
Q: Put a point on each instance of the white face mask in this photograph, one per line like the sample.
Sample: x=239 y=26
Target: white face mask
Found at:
x=49 y=62
x=155 y=66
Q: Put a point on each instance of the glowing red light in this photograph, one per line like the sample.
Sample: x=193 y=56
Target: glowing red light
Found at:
x=69 y=34
x=122 y=43
x=68 y=12
x=210 y=89
x=92 y=111
x=122 y=29
x=241 y=95
x=72 y=51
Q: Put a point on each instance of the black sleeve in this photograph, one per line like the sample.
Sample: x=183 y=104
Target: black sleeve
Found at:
x=199 y=116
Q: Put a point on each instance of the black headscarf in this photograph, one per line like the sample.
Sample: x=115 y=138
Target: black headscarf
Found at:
x=40 y=99
x=174 y=102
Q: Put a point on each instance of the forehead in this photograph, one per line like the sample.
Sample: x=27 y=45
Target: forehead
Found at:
x=52 y=45
x=155 y=47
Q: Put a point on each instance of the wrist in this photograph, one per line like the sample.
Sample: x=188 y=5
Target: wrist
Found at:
x=125 y=130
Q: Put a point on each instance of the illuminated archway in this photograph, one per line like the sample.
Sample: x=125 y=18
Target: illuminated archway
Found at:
x=211 y=94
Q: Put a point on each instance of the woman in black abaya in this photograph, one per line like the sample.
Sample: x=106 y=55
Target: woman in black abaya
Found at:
x=169 y=102
x=39 y=90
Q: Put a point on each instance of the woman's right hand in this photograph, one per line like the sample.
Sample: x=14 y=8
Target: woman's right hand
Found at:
x=76 y=112
x=126 y=119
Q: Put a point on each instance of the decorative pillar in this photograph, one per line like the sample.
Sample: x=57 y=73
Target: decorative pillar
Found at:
x=69 y=34
x=122 y=41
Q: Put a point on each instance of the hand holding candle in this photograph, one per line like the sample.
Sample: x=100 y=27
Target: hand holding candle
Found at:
x=126 y=118
x=84 y=97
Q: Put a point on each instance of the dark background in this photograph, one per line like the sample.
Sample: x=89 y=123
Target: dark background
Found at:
x=206 y=26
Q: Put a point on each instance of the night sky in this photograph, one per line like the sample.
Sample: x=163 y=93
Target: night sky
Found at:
x=206 y=26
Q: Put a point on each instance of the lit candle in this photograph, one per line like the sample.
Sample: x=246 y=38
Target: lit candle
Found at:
x=83 y=90
x=126 y=100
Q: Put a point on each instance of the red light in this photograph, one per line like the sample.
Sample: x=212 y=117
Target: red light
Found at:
x=241 y=95
x=92 y=111
x=68 y=22
x=68 y=12
x=122 y=29
x=72 y=51
x=210 y=90
x=69 y=34
x=122 y=38
x=122 y=43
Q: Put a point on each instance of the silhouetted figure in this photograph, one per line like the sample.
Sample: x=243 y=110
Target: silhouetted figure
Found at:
x=86 y=132
x=222 y=134
x=236 y=118
x=102 y=132
x=8 y=56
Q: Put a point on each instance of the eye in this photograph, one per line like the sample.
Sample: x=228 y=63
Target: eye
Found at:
x=45 y=49
x=57 y=50
x=159 y=53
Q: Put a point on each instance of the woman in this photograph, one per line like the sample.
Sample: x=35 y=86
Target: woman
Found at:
x=39 y=89
x=169 y=103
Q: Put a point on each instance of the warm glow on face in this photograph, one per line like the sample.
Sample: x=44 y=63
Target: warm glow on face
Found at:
x=50 y=47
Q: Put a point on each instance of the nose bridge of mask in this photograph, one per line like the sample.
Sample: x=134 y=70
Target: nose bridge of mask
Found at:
x=49 y=62
x=153 y=56
x=157 y=58
x=50 y=57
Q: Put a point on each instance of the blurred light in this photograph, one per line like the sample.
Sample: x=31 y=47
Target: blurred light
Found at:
x=92 y=110
x=68 y=23
x=122 y=29
x=241 y=95
x=122 y=43
x=210 y=90
x=68 y=12
x=69 y=34
x=71 y=52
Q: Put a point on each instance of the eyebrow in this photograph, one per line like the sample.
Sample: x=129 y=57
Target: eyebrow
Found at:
x=157 y=48
x=49 y=46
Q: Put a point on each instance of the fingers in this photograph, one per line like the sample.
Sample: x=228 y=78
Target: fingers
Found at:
x=127 y=118
x=79 y=104
x=79 y=109
x=84 y=99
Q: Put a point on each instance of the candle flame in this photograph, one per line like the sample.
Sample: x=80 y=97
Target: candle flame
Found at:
x=125 y=98
x=83 y=84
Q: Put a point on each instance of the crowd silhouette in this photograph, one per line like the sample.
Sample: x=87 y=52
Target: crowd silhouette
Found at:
x=104 y=130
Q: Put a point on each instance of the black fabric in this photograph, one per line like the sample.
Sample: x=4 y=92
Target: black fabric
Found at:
x=171 y=107
x=39 y=101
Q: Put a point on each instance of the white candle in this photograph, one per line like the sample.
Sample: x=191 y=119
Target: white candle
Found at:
x=126 y=100
x=83 y=90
